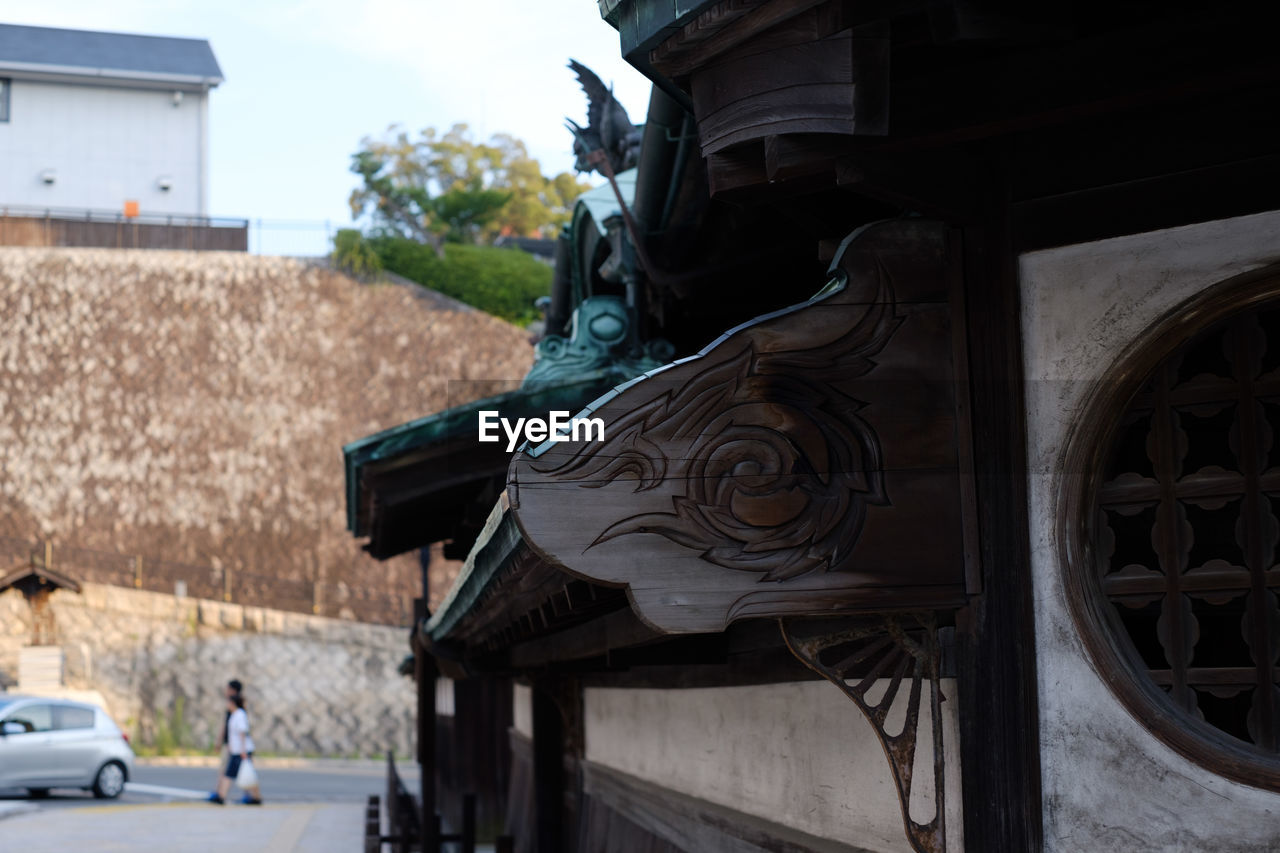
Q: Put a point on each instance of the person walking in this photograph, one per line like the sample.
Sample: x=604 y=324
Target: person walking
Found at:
x=240 y=769
x=234 y=687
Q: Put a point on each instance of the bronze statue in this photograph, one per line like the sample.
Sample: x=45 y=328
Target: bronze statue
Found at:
x=608 y=129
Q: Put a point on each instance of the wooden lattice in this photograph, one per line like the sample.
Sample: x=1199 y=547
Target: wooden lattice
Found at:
x=1189 y=527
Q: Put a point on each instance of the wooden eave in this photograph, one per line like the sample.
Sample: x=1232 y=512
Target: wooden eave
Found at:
x=511 y=613
x=509 y=610
x=579 y=559
x=38 y=575
x=1090 y=120
x=426 y=481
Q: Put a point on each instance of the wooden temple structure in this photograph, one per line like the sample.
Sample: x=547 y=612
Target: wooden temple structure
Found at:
x=937 y=347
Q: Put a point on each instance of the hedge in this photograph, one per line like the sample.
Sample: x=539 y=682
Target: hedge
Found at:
x=503 y=282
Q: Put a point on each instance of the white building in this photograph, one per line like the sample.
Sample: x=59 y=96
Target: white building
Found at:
x=93 y=120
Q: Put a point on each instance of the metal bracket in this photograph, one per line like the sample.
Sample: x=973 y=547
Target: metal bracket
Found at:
x=889 y=647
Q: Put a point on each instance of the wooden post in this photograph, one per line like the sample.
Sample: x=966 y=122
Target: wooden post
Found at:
x=48 y=553
x=468 y=823
x=226 y=584
x=995 y=636
x=424 y=668
x=372 y=826
x=137 y=572
x=548 y=771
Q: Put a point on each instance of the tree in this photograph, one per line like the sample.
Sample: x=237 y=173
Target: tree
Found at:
x=450 y=188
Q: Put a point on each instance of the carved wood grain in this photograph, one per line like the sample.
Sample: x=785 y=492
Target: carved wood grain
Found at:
x=807 y=462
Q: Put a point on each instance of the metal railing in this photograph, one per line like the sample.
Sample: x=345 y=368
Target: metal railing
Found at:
x=299 y=238
x=217 y=583
x=109 y=229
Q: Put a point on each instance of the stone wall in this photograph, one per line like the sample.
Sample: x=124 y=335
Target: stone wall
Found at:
x=191 y=408
x=313 y=686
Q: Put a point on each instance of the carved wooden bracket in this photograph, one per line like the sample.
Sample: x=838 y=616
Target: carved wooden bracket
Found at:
x=813 y=460
x=893 y=647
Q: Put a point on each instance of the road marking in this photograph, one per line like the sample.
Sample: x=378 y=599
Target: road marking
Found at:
x=116 y=808
x=290 y=832
x=165 y=791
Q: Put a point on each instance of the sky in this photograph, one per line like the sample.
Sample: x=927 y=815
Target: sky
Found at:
x=307 y=79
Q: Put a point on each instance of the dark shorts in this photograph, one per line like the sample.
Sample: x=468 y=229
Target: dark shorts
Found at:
x=233 y=766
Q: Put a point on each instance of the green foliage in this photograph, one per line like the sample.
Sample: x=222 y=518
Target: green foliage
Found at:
x=449 y=188
x=172 y=733
x=353 y=255
x=503 y=282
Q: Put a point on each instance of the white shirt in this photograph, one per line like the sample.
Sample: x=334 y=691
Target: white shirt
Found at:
x=238 y=740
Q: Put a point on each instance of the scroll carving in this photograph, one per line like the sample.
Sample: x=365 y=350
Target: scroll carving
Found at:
x=810 y=460
x=778 y=467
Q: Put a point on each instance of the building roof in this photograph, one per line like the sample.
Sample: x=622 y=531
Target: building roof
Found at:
x=601 y=202
x=46 y=51
x=38 y=574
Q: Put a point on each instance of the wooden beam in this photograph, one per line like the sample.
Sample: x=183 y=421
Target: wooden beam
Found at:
x=944 y=186
x=1165 y=60
x=1219 y=191
x=617 y=630
x=680 y=822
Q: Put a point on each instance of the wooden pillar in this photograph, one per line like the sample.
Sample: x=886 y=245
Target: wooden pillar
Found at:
x=995 y=637
x=548 y=772
x=424 y=670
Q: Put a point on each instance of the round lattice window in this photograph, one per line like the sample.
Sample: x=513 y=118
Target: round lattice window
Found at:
x=1175 y=557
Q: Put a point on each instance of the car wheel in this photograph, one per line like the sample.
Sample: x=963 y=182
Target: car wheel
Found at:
x=37 y=793
x=109 y=783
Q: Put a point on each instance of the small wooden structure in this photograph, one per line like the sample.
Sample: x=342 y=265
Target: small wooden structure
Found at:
x=37 y=581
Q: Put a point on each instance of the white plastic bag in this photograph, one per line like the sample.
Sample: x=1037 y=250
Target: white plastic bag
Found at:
x=247 y=777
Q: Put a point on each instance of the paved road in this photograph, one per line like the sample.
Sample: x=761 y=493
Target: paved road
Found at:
x=188 y=828
x=312 y=808
x=317 y=782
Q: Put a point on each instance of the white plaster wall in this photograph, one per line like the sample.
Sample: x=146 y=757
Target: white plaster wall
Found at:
x=798 y=754
x=106 y=145
x=522 y=710
x=444 y=697
x=1109 y=785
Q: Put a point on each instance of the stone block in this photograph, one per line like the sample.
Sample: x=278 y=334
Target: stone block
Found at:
x=232 y=616
x=273 y=621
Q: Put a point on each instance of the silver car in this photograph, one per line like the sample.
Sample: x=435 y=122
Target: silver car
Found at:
x=53 y=743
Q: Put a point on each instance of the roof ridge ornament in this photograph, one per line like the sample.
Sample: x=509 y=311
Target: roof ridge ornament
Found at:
x=609 y=128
